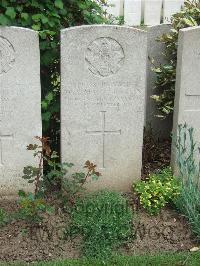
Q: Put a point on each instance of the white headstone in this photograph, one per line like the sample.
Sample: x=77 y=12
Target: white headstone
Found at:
x=170 y=7
x=103 y=78
x=20 y=100
x=115 y=7
x=161 y=127
x=152 y=12
x=187 y=96
x=132 y=12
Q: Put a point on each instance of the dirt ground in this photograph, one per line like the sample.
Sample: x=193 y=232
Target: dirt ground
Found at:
x=21 y=242
x=165 y=232
x=156 y=154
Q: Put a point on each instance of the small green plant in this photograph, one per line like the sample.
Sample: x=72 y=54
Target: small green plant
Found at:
x=31 y=208
x=35 y=174
x=188 y=201
x=72 y=186
x=58 y=177
x=4 y=218
x=105 y=222
x=160 y=189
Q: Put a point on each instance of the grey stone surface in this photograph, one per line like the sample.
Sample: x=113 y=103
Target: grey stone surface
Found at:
x=20 y=100
x=187 y=96
x=103 y=79
x=161 y=127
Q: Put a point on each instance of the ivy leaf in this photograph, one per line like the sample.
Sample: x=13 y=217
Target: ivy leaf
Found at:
x=46 y=116
x=36 y=27
x=53 y=44
x=51 y=24
x=49 y=97
x=10 y=12
x=44 y=19
x=4 y=20
x=36 y=17
x=44 y=105
x=59 y=4
x=24 y=16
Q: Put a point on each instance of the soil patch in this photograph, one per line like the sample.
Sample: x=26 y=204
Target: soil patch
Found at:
x=21 y=242
x=156 y=154
x=168 y=231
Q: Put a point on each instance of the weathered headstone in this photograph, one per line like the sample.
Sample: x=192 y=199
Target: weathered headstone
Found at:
x=171 y=7
x=187 y=96
x=132 y=12
x=152 y=12
x=20 y=100
x=161 y=127
x=103 y=79
x=115 y=7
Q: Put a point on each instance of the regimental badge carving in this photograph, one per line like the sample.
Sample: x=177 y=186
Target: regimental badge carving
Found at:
x=7 y=55
x=104 y=56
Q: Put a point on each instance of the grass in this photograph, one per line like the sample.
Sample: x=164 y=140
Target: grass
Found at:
x=104 y=219
x=190 y=259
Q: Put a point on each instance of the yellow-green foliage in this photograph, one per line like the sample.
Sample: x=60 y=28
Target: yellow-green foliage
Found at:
x=157 y=191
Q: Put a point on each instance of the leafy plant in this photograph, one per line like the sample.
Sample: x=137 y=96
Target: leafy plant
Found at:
x=57 y=177
x=189 y=16
x=72 y=186
x=160 y=189
x=35 y=174
x=105 y=222
x=31 y=208
x=188 y=201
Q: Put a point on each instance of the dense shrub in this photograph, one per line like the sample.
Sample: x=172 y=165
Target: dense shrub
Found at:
x=157 y=191
x=48 y=17
x=166 y=73
x=105 y=222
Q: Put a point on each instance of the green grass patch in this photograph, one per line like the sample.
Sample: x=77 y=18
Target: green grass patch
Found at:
x=104 y=220
x=190 y=259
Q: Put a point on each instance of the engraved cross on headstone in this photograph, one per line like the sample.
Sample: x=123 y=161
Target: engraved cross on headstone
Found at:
x=3 y=137
x=103 y=132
